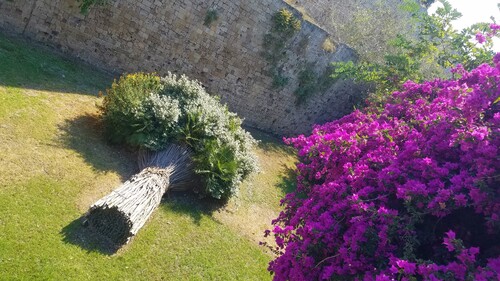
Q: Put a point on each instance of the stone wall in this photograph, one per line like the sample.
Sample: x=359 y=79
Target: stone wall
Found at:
x=170 y=35
x=328 y=14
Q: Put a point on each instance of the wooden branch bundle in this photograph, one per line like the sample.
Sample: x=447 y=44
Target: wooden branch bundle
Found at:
x=120 y=214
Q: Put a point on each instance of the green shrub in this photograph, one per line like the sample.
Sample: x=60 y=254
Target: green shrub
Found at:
x=146 y=111
x=120 y=109
x=285 y=22
x=85 y=5
x=210 y=17
x=279 y=80
x=285 y=25
x=308 y=84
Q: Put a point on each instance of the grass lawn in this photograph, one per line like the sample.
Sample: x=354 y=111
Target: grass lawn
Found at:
x=54 y=164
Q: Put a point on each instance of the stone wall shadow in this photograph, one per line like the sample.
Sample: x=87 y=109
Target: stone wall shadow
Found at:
x=27 y=64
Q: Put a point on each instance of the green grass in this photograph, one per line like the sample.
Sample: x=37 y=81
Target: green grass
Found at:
x=54 y=164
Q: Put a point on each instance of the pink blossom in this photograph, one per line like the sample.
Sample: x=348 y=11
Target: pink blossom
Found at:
x=448 y=241
x=368 y=183
x=494 y=26
x=408 y=267
x=480 y=38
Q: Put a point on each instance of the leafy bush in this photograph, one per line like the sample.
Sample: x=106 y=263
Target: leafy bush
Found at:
x=85 y=5
x=120 y=107
x=144 y=110
x=210 y=17
x=410 y=191
x=285 y=22
x=430 y=53
x=308 y=84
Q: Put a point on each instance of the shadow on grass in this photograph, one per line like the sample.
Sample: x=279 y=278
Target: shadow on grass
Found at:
x=191 y=204
x=77 y=234
x=268 y=142
x=288 y=181
x=29 y=65
x=84 y=135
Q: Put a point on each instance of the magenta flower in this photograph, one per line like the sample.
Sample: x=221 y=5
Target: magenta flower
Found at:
x=449 y=241
x=480 y=38
x=496 y=58
x=408 y=267
x=494 y=26
x=380 y=185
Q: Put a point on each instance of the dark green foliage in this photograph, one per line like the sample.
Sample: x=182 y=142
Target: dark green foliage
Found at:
x=210 y=17
x=279 y=80
x=121 y=120
x=285 y=25
x=191 y=131
x=85 y=5
x=308 y=84
x=217 y=164
x=311 y=83
x=142 y=110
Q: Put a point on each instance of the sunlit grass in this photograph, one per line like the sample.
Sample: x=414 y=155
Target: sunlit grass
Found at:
x=54 y=164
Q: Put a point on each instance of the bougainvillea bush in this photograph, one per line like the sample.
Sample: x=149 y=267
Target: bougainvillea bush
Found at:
x=409 y=191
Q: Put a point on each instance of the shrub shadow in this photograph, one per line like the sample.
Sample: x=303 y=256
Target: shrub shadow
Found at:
x=190 y=203
x=288 y=180
x=268 y=142
x=84 y=135
x=79 y=234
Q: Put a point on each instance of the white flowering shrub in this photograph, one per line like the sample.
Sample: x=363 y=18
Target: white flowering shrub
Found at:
x=157 y=118
x=222 y=148
x=177 y=109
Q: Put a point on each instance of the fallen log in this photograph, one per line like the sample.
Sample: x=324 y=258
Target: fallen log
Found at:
x=120 y=214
